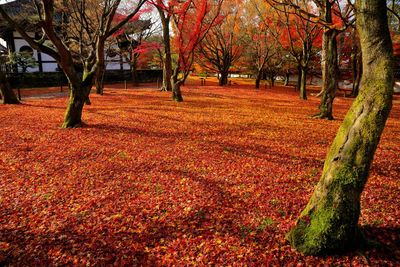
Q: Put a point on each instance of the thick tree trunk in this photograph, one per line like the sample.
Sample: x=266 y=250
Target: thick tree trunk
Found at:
x=176 y=86
x=223 y=78
x=329 y=223
x=176 y=92
x=79 y=95
x=303 y=83
x=7 y=94
x=77 y=98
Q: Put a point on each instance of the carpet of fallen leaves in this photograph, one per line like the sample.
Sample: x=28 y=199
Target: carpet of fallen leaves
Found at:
x=216 y=180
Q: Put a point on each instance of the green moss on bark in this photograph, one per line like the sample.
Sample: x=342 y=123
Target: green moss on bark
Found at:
x=329 y=224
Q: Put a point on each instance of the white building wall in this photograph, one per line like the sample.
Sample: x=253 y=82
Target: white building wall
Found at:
x=20 y=43
x=50 y=65
x=126 y=66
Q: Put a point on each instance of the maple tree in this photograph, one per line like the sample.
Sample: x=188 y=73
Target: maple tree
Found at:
x=335 y=16
x=134 y=41
x=266 y=53
x=336 y=20
x=165 y=10
x=302 y=35
x=393 y=7
x=224 y=43
x=192 y=21
x=91 y=52
x=329 y=223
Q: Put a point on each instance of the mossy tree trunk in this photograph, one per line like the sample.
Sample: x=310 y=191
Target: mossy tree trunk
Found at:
x=330 y=67
x=77 y=99
x=7 y=94
x=329 y=223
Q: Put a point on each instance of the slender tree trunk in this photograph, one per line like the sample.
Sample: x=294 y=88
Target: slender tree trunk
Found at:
x=99 y=81
x=329 y=223
x=167 y=67
x=7 y=94
x=329 y=65
x=167 y=70
x=287 y=77
x=258 y=79
x=272 y=80
x=303 y=83
x=134 y=75
x=357 y=72
x=311 y=78
x=330 y=75
x=297 y=87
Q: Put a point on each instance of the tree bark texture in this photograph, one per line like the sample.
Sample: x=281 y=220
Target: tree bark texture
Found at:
x=330 y=76
x=99 y=81
x=176 y=86
x=134 y=73
x=272 y=80
x=357 y=71
x=77 y=99
x=303 y=83
x=330 y=67
x=287 y=77
x=223 y=78
x=167 y=67
x=329 y=223
x=258 y=79
x=7 y=94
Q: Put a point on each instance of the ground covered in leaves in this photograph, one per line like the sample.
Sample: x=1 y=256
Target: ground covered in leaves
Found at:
x=216 y=180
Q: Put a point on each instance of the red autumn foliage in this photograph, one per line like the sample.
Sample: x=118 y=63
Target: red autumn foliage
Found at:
x=221 y=185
